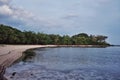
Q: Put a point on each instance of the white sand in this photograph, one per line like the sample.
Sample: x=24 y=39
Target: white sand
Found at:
x=10 y=53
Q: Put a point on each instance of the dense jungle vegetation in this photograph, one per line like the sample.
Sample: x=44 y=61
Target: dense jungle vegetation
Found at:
x=10 y=35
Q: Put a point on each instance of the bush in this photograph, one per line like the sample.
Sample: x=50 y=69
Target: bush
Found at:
x=28 y=54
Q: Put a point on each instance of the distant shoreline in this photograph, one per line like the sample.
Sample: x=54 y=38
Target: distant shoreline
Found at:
x=85 y=45
x=115 y=45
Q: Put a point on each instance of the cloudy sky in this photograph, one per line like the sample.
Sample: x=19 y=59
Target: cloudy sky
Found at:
x=64 y=16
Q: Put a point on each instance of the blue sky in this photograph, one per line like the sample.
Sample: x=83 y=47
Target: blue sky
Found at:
x=99 y=17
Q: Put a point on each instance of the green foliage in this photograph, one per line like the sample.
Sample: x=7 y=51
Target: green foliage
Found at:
x=66 y=40
x=9 y=35
x=81 y=35
x=28 y=54
x=55 y=39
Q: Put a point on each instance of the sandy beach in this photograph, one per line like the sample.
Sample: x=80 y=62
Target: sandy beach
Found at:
x=10 y=53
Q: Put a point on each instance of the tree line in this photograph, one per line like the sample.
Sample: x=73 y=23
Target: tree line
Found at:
x=10 y=35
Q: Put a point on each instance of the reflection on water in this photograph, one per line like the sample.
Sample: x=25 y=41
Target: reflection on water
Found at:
x=81 y=63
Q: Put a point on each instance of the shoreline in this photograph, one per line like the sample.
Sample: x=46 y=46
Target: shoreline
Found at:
x=10 y=53
x=14 y=52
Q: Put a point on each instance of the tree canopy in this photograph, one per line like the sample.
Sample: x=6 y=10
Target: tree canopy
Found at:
x=10 y=35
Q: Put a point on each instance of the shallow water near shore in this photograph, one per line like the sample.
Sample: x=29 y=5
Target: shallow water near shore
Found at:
x=69 y=63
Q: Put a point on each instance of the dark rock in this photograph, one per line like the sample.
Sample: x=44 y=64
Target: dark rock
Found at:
x=31 y=74
x=13 y=74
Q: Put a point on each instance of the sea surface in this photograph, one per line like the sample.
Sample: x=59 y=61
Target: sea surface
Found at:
x=69 y=63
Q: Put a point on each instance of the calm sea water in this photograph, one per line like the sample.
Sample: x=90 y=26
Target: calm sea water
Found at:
x=70 y=64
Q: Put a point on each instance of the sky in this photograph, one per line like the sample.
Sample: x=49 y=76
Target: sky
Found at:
x=64 y=17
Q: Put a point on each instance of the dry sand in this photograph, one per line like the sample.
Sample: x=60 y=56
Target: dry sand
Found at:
x=10 y=53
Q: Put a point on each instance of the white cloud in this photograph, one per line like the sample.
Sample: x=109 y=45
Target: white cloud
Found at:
x=6 y=10
x=10 y=15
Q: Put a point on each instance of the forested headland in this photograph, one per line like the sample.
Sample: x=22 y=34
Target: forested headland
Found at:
x=10 y=35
